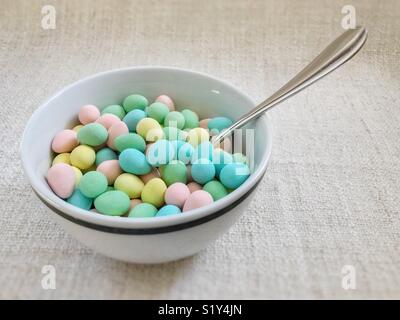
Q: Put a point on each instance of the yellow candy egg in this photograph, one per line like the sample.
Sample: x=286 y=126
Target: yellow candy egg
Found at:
x=197 y=135
x=149 y=129
x=78 y=175
x=77 y=128
x=83 y=157
x=153 y=192
x=130 y=184
x=62 y=158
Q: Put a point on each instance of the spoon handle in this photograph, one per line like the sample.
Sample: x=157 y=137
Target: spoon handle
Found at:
x=337 y=53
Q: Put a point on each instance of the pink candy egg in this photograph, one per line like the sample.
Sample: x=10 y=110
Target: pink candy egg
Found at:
x=197 y=199
x=116 y=130
x=176 y=194
x=167 y=101
x=108 y=120
x=88 y=113
x=61 y=179
x=64 y=141
x=111 y=169
x=204 y=123
x=134 y=203
x=194 y=186
x=153 y=174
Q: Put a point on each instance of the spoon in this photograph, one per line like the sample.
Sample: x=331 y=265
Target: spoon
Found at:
x=341 y=50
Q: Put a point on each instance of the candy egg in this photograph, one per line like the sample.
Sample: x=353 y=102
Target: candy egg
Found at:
x=153 y=174
x=112 y=203
x=203 y=151
x=143 y=210
x=216 y=189
x=174 y=171
x=130 y=184
x=77 y=128
x=197 y=199
x=204 y=123
x=220 y=159
x=191 y=118
x=61 y=179
x=130 y=140
x=92 y=134
x=172 y=133
x=153 y=192
x=219 y=123
x=83 y=157
x=134 y=203
x=111 y=169
x=203 y=171
x=88 y=113
x=132 y=119
x=93 y=184
x=174 y=119
x=158 y=111
x=64 y=141
x=108 y=120
x=194 y=186
x=185 y=153
x=134 y=161
x=104 y=155
x=168 y=210
x=167 y=101
x=240 y=157
x=197 y=135
x=135 y=101
x=116 y=130
x=161 y=152
x=62 y=158
x=78 y=175
x=114 y=109
x=176 y=194
x=234 y=174
x=78 y=199
x=150 y=129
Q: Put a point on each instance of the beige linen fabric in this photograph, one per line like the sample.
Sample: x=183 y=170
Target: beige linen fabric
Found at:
x=330 y=197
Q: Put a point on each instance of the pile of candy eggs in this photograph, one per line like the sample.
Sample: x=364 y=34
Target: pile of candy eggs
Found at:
x=143 y=160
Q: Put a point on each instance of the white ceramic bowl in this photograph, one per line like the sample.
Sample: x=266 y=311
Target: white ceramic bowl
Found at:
x=143 y=240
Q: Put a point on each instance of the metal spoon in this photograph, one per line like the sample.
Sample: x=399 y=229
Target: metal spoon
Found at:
x=337 y=53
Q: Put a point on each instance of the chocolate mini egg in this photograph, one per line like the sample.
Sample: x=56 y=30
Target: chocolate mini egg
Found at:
x=111 y=169
x=197 y=199
x=176 y=194
x=116 y=130
x=61 y=179
x=64 y=141
x=88 y=113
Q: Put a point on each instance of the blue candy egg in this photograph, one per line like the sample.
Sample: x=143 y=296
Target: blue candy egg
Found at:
x=185 y=153
x=104 y=155
x=220 y=158
x=160 y=153
x=234 y=174
x=132 y=118
x=203 y=151
x=177 y=144
x=219 y=123
x=77 y=199
x=203 y=170
x=133 y=161
x=168 y=210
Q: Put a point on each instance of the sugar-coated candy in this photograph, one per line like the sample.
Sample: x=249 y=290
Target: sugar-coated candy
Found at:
x=135 y=101
x=220 y=159
x=174 y=171
x=191 y=119
x=196 y=136
x=219 y=123
x=167 y=101
x=107 y=120
x=194 y=186
x=78 y=175
x=129 y=140
x=185 y=153
x=234 y=174
x=77 y=128
x=114 y=109
x=112 y=203
x=134 y=203
x=172 y=134
x=149 y=129
x=92 y=134
x=153 y=174
x=203 y=170
x=168 y=210
x=83 y=157
x=197 y=199
x=78 y=199
x=204 y=123
x=93 y=184
x=177 y=193
x=62 y=158
x=153 y=192
x=64 y=141
x=88 y=113
x=133 y=117
x=174 y=119
x=134 y=161
x=130 y=184
x=115 y=131
x=158 y=111
x=143 y=210
x=104 y=155
x=61 y=179
x=160 y=153
x=216 y=189
x=203 y=151
x=111 y=169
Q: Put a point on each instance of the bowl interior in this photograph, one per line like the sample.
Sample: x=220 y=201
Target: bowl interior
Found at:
x=205 y=95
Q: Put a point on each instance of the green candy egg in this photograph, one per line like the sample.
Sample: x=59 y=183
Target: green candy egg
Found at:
x=174 y=119
x=216 y=189
x=104 y=155
x=240 y=157
x=92 y=184
x=130 y=140
x=174 y=171
x=135 y=101
x=191 y=119
x=112 y=203
x=158 y=111
x=172 y=133
x=143 y=210
x=92 y=134
x=114 y=109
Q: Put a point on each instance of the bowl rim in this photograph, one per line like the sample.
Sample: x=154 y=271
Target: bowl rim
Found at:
x=122 y=225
